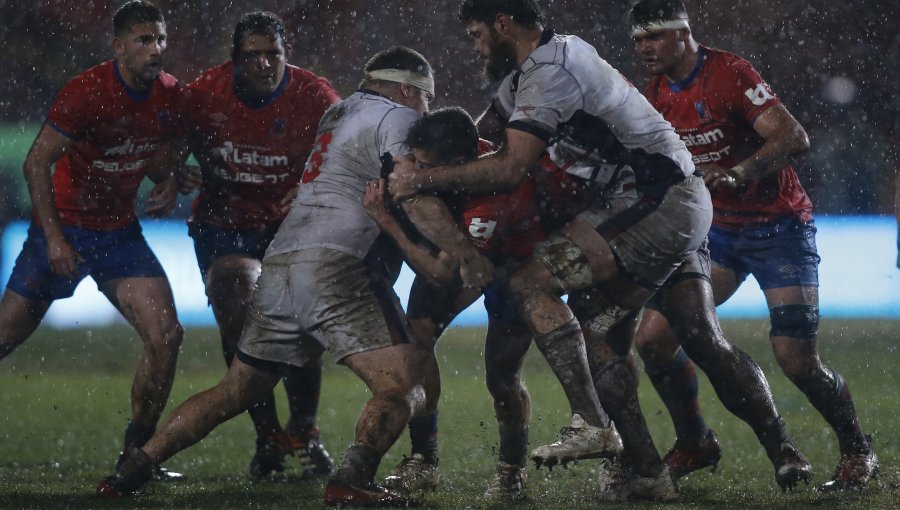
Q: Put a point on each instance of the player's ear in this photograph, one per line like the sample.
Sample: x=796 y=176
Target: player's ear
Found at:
x=118 y=46
x=502 y=23
x=288 y=51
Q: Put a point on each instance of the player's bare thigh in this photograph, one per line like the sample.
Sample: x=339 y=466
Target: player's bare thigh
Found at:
x=147 y=304
x=392 y=371
x=19 y=317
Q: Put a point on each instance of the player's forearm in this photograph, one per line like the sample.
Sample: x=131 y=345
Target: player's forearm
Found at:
x=434 y=221
x=772 y=158
x=435 y=269
x=39 y=178
x=495 y=172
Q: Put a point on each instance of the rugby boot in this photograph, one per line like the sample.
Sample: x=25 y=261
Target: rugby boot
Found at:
x=270 y=454
x=618 y=483
x=339 y=493
x=314 y=458
x=160 y=474
x=687 y=456
x=579 y=441
x=791 y=467
x=133 y=471
x=508 y=484
x=853 y=472
x=414 y=475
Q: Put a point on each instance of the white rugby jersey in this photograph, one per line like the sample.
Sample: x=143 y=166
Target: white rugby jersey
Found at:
x=352 y=138
x=597 y=124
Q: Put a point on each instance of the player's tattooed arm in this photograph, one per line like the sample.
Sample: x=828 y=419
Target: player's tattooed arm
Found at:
x=499 y=171
x=439 y=269
x=48 y=147
x=784 y=138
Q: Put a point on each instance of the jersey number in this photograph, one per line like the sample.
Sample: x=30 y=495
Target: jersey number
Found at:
x=481 y=229
x=311 y=171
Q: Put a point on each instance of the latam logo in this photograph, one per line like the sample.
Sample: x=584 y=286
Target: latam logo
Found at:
x=130 y=147
x=231 y=154
x=707 y=138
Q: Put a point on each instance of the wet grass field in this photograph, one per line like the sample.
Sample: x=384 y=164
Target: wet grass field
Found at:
x=64 y=402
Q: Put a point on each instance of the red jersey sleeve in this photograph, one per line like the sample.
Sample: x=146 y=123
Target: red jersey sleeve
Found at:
x=756 y=96
x=69 y=113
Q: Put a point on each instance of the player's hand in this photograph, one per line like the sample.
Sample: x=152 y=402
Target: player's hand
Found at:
x=63 y=258
x=402 y=181
x=285 y=205
x=162 y=199
x=715 y=176
x=189 y=178
x=476 y=271
x=374 y=202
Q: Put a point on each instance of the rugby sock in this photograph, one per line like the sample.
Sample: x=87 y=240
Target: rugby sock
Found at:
x=677 y=385
x=303 y=386
x=423 y=434
x=358 y=465
x=564 y=350
x=137 y=435
x=834 y=401
x=513 y=444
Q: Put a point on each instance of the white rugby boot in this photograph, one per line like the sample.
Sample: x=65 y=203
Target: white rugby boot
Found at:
x=579 y=441
x=413 y=475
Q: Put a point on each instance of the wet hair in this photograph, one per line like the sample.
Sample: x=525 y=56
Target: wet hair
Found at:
x=449 y=134
x=401 y=58
x=645 y=12
x=257 y=23
x=526 y=13
x=134 y=13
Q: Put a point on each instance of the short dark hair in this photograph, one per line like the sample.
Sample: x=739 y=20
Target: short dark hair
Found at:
x=257 y=23
x=645 y=12
x=134 y=13
x=449 y=134
x=526 y=13
x=399 y=57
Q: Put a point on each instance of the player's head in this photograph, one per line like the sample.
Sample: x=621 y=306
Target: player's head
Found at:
x=492 y=25
x=139 y=39
x=444 y=136
x=661 y=33
x=260 y=53
x=404 y=74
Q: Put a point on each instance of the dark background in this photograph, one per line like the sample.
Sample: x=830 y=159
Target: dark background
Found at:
x=833 y=63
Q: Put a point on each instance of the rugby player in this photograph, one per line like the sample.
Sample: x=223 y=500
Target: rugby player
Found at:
x=326 y=284
x=100 y=134
x=251 y=124
x=558 y=94
x=743 y=138
x=504 y=227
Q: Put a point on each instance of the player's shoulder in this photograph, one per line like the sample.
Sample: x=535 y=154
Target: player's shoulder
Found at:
x=93 y=76
x=213 y=77
x=726 y=61
x=309 y=82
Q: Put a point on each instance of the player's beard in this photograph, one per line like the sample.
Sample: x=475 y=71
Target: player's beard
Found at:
x=502 y=61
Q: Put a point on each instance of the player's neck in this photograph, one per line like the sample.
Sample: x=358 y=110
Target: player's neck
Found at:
x=526 y=42
x=131 y=80
x=687 y=64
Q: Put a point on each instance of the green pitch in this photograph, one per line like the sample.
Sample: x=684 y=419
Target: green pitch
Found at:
x=65 y=401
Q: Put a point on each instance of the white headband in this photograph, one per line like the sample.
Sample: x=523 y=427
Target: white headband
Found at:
x=417 y=80
x=653 y=26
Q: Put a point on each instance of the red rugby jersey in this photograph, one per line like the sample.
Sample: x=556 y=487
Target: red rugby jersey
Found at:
x=713 y=112
x=251 y=157
x=115 y=130
x=503 y=225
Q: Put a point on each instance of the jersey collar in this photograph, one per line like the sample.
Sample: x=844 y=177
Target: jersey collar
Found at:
x=678 y=86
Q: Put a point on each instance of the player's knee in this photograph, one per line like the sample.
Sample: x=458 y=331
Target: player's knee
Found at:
x=795 y=321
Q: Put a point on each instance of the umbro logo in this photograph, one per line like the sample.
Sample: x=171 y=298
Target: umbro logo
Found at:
x=218 y=117
x=789 y=269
